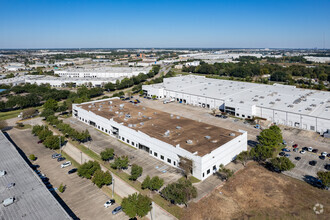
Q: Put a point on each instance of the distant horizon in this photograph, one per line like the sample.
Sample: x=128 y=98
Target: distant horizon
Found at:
x=164 y=24
x=167 y=48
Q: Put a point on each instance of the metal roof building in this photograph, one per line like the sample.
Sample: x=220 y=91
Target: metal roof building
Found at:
x=282 y=104
x=32 y=198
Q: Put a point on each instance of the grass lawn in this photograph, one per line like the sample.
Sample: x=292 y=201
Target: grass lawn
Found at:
x=13 y=114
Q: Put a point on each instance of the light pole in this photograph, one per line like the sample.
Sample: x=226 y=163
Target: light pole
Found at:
x=152 y=210
x=113 y=186
x=80 y=157
x=59 y=140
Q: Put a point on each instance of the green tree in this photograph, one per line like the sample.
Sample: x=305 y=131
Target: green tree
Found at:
x=156 y=183
x=324 y=176
x=261 y=153
x=3 y=124
x=136 y=171
x=136 y=205
x=282 y=163
x=61 y=188
x=243 y=157
x=43 y=134
x=179 y=192
x=53 y=142
x=107 y=154
x=101 y=178
x=47 y=112
x=271 y=137
x=146 y=183
x=51 y=104
x=88 y=169
x=120 y=163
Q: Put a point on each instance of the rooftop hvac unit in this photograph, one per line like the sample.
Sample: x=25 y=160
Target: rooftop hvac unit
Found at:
x=141 y=123
x=121 y=105
x=117 y=112
x=189 y=142
x=207 y=137
x=149 y=118
x=232 y=134
x=171 y=115
x=99 y=109
x=178 y=127
x=89 y=106
x=130 y=125
x=110 y=102
x=177 y=117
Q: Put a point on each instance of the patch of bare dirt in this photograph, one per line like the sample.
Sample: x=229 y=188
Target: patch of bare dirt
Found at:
x=256 y=193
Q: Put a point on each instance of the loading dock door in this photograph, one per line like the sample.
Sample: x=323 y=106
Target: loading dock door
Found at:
x=143 y=147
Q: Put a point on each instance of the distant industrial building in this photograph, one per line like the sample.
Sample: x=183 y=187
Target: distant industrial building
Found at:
x=282 y=104
x=102 y=72
x=166 y=137
x=23 y=194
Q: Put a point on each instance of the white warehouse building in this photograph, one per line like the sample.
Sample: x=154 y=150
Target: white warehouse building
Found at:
x=169 y=138
x=282 y=104
x=104 y=72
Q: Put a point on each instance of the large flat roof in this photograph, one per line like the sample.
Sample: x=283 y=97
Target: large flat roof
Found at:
x=281 y=97
x=205 y=138
x=32 y=198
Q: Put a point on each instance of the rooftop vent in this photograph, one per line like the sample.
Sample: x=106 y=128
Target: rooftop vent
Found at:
x=149 y=118
x=177 y=117
x=89 y=106
x=141 y=123
x=110 y=102
x=207 y=137
x=272 y=103
x=171 y=115
x=130 y=125
x=178 y=127
x=214 y=141
x=117 y=112
x=128 y=115
x=167 y=133
x=99 y=109
x=121 y=105
x=232 y=134
x=189 y=142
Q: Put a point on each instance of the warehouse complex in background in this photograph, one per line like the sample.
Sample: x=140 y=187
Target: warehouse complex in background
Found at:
x=282 y=104
x=22 y=193
x=102 y=72
x=172 y=139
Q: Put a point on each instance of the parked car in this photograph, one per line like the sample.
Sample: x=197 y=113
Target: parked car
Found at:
x=284 y=142
x=218 y=116
x=285 y=150
x=257 y=126
x=116 y=210
x=327 y=166
x=305 y=148
x=60 y=159
x=109 y=203
x=35 y=166
x=324 y=154
x=310 y=149
x=66 y=164
x=281 y=153
x=302 y=152
x=295 y=145
x=224 y=116
x=297 y=158
x=312 y=162
x=287 y=155
x=54 y=156
x=328 y=155
x=72 y=170
x=322 y=157
x=315 y=150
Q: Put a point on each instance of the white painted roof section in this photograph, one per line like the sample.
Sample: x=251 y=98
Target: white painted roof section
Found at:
x=277 y=96
x=32 y=198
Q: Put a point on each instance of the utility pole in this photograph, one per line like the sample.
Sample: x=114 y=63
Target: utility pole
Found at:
x=59 y=140
x=113 y=186
x=152 y=210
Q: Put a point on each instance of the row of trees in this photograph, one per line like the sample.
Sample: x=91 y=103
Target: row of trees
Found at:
x=49 y=140
x=92 y=170
x=247 y=69
x=68 y=130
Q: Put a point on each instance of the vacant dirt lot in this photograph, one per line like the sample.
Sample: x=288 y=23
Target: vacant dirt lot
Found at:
x=256 y=193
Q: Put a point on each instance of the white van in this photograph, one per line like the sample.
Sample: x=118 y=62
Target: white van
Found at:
x=66 y=164
x=8 y=201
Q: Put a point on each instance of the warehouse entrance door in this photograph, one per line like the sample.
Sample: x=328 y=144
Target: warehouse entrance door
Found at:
x=143 y=147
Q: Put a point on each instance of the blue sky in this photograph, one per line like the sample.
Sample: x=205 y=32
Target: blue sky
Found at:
x=160 y=23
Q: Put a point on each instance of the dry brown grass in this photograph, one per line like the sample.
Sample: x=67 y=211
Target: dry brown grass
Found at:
x=256 y=193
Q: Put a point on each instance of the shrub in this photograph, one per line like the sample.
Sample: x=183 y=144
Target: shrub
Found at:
x=180 y=192
x=32 y=157
x=61 y=188
x=282 y=163
x=153 y=184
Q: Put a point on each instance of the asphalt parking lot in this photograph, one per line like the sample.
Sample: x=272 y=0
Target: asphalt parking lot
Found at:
x=303 y=170
x=84 y=198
